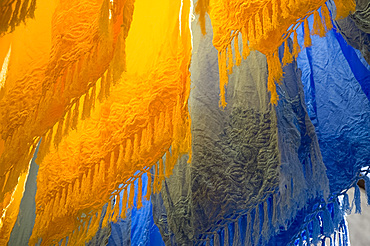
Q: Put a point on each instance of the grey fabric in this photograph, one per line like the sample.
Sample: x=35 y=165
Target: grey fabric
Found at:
x=22 y=229
x=235 y=158
x=356 y=28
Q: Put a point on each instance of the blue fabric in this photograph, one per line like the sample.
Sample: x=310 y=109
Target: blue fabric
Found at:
x=138 y=227
x=336 y=83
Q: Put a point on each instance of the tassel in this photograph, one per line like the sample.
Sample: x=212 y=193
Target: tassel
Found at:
x=226 y=239
x=136 y=148
x=238 y=58
x=230 y=59
x=367 y=188
x=357 y=199
x=248 y=238
x=69 y=195
x=296 y=47
x=258 y=26
x=223 y=76
x=256 y=226
x=149 y=187
x=47 y=144
x=340 y=241
x=307 y=36
x=59 y=133
x=112 y=164
x=86 y=107
x=169 y=165
x=139 y=193
x=67 y=123
x=143 y=142
x=300 y=240
x=318 y=27
x=131 y=196
x=208 y=243
x=95 y=185
x=128 y=151
x=288 y=57
x=62 y=204
x=266 y=218
x=216 y=239
x=102 y=88
x=149 y=136
x=155 y=181
x=315 y=230
x=338 y=213
x=242 y=223
x=326 y=17
x=346 y=207
x=116 y=209
x=120 y=164
x=246 y=50
x=251 y=32
x=56 y=208
x=124 y=203
x=107 y=215
x=75 y=114
x=274 y=210
x=236 y=240
x=275 y=13
x=327 y=222
x=160 y=175
x=267 y=25
x=108 y=82
x=102 y=171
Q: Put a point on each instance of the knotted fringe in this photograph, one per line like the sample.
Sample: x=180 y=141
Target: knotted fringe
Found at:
x=117 y=162
x=257 y=28
x=201 y=9
x=90 y=222
x=14 y=12
x=77 y=111
x=251 y=228
x=324 y=226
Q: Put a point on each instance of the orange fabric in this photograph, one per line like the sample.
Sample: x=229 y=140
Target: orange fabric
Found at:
x=264 y=26
x=54 y=60
x=143 y=118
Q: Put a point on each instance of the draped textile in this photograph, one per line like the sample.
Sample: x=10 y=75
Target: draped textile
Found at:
x=112 y=115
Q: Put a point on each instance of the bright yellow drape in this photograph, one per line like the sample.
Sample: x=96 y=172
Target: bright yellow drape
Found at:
x=143 y=118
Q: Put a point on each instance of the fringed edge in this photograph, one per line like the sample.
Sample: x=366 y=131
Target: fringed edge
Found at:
x=259 y=26
x=326 y=225
x=14 y=13
x=106 y=171
x=250 y=228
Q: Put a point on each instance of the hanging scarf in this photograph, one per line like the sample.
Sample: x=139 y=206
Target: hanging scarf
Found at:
x=264 y=26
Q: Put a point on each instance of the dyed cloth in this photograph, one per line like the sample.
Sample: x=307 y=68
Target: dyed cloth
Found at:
x=175 y=143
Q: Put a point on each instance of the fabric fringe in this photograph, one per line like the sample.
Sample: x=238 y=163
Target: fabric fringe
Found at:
x=15 y=12
x=357 y=199
x=259 y=26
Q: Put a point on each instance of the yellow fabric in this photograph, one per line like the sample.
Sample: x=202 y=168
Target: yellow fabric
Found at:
x=65 y=66
x=264 y=26
x=107 y=93
x=144 y=117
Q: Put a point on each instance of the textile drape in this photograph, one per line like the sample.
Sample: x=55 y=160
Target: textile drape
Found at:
x=200 y=132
